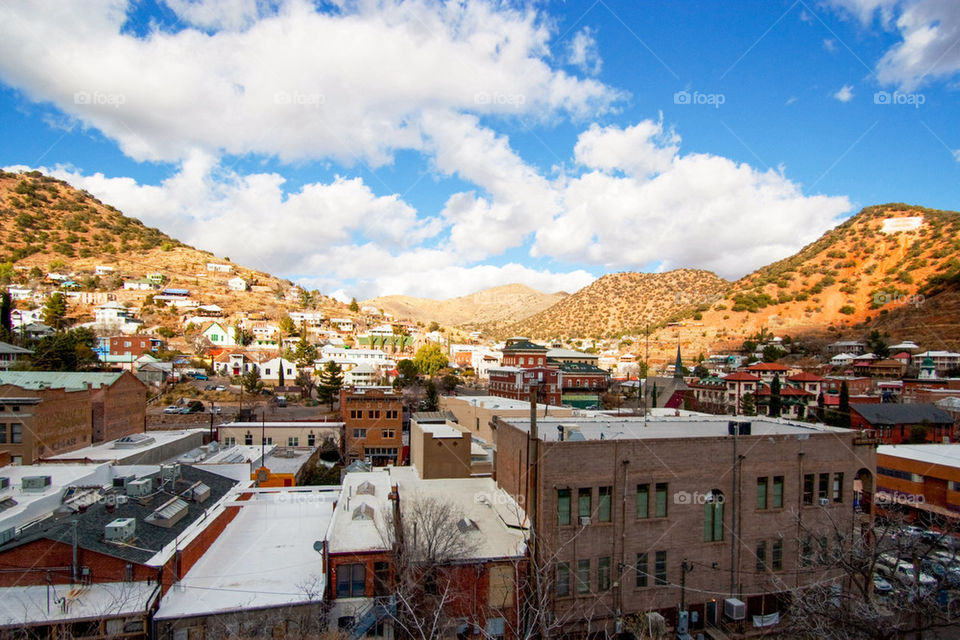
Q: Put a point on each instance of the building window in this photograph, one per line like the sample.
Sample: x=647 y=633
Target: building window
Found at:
x=583 y=576
x=3 y=433
x=248 y=439
x=293 y=441
x=267 y=440
x=373 y=414
x=603 y=574
x=311 y=440
x=584 y=508
x=762 y=555
x=359 y=433
x=603 y=504
x=563 y=579
x=838 y=486
x=778 y=492
x=229 y=441
x=266 y=371
x=660 y=568
x=355 y=414
x=661 y=500
x=806 y=552
x=351 y=580
x=761 y=493
x=643 y=501
x=824 y=485
x=563 y=506
x=16 y=433
x=642 y=570
x=713 y=517
x=387 y=433
x=777 y=556
x=808 y=481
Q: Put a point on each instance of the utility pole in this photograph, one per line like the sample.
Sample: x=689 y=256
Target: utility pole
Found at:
x=685 y=568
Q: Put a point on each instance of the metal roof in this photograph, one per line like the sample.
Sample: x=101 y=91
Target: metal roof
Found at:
x=58 y=379
x=889 y=413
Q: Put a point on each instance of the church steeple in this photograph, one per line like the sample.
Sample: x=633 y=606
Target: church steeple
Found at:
x=678 y=366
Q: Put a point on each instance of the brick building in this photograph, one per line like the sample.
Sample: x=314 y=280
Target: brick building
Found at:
x=37 y=422
x=897 y=423
x=373 y=425
x=520 y=352
x=134 y=345
x=921 y=479
x=624 y=508
x=515 y=382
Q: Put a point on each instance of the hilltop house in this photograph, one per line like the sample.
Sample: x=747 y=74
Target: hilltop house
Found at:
x=218 y=336
x=10 y=353
x=220 y=268
x=238 y=284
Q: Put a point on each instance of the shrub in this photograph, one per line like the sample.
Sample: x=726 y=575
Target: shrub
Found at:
x=847 y=310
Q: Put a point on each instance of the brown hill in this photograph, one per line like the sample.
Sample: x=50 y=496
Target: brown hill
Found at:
x=512 y=301
x=617 y=304
x=46 y=225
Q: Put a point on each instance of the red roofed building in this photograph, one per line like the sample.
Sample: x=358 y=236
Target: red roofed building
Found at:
x=766 y=370
x=794 y=402
x=806 y=381
x=738 y=385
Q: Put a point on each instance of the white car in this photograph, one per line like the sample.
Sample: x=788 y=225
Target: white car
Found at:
x=172 y=409
x=881 y=586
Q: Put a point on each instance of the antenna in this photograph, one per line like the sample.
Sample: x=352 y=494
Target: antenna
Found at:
x=646 y=374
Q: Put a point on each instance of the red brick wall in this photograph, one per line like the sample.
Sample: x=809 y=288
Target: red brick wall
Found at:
x=120 y=409
x=365 y=403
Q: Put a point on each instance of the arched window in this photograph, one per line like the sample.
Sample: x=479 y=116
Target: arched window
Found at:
x=713 y=516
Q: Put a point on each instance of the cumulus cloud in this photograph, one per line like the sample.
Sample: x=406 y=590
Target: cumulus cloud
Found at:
x=583 y=52
x=698 y=210
x=929 y=32
x=291 y=81
x=844 y=93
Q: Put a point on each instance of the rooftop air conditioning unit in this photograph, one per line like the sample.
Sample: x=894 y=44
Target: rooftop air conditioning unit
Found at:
x=120 y=529
x=734 y=609
x=584 y=520
x=120 y=482
x=35 y=483
x=824 y=502
x=7 y=535
x=139 y=488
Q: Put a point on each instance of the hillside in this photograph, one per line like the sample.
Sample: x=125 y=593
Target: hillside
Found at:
x=46 y=225
x=618 y=304
x=512 y=301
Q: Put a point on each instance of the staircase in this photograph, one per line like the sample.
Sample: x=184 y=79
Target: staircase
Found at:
x=371 y=614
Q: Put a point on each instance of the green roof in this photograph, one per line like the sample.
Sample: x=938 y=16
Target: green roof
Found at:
x=524 y=345
x=580 y=367
x=69 y=380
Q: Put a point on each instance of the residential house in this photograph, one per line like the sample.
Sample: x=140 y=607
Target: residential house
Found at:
x=103 y=270
x=842 y=360
x=312 y=434
x=362 y=375
x=767 y=370
x=9 y=354
x=270 y=370
x=344 y=325
x=134 y=345
x=218 y=335
x=219 y=268
x=238 y=284
x=887 y=368
x=943 y=361
x=738 y=385
x=140 y=285
x=855 y=347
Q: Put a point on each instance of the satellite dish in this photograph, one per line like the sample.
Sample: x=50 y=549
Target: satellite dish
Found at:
x=318 y=546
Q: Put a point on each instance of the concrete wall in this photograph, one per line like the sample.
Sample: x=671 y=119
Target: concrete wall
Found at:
x=439 y=457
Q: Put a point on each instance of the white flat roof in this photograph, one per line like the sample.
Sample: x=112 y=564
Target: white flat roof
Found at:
x=238 y=453
x=35 y=604
x=109 y=452
x=286 y=463
x=35 y=504
x=947 y=455
x=442 y=430
x=282 y=425
x=496 y=402
x=347 y=534
x=633 y=428
x=264 y=558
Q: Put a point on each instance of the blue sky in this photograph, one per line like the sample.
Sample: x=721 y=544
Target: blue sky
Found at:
x=435 y=149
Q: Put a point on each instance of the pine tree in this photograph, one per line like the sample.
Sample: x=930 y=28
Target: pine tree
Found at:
x=775 y=402
x=844 y=406
x=55 y=311
x=331 y=381
x=6 y=317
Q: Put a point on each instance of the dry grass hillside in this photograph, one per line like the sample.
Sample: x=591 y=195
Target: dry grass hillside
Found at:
x=894 y=267
x=618 y=304
x=512 y=301
x=48 y=224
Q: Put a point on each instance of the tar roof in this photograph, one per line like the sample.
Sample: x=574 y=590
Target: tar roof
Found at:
x=149 y=539
x=889 y=413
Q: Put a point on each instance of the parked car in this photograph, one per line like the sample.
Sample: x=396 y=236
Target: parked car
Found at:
x=172 y=409
x=903 y=572
x=220 y=387
x=210 y=387
x=200 y=376
x=947 y=575
x=881 y=586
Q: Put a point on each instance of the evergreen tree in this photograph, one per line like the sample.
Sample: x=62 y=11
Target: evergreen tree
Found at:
x=844 y=407
x=66 y=351
x=748 y=405
x=251 y=381
x=331 y=381
x=432 y=401
x=280 y=379
x=775 y=402
x=6 y=317
x=55 y=311
x=354 y=306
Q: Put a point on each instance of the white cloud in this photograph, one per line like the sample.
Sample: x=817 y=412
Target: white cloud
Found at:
x=845 y=93
x=956 y=155
x=641 y=150
x=700 y=210
x=583 y=52
x=829 y=44
x=929 y=32
x=292 y=82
